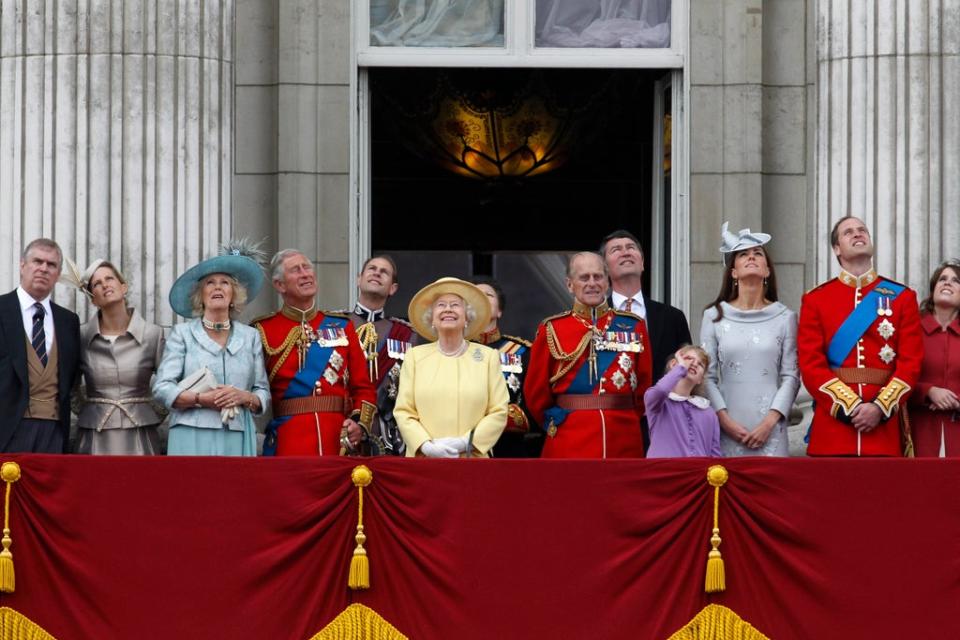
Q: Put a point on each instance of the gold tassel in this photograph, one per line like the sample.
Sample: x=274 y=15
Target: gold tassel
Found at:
x=716 y=579
x=10 y=473
x=367 y=336
x=360 y=563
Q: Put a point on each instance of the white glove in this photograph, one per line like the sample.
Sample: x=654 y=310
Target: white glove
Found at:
x=460 y=444
x=438 y=449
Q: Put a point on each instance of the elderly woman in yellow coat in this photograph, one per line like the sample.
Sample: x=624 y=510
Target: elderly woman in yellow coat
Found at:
x=452 y=399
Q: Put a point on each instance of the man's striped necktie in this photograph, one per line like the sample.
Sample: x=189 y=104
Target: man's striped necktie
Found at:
x=38 y=338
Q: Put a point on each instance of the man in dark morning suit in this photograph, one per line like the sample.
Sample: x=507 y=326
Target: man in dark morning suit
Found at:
x=39 y=356
x=667 y=325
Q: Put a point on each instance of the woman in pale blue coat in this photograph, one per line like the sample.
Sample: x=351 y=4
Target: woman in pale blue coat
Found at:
x=214 y=419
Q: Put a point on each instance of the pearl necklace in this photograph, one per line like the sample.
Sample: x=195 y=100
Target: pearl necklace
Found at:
x=456 y=352
x=216 y=326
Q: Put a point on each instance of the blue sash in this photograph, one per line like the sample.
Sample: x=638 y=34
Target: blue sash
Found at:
x=303 y=384
x=581 y=382
x=859 y=321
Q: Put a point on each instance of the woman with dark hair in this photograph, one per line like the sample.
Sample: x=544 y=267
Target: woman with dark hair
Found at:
x=751 y=338
x=119 y=353
x=936 y=400
x=518 y=440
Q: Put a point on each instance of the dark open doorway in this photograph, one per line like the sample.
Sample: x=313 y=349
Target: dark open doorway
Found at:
x=436 y=222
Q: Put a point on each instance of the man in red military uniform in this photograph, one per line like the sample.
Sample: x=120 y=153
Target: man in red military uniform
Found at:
x=588 y=370
x=317 y=370
x=860 y=350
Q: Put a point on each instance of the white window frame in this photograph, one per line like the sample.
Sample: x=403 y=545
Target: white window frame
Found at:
x=519 y=52
x=518 y=49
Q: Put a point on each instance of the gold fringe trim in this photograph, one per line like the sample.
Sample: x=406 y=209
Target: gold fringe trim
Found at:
x=358 y=622
x=716 y=622
x=16 y=626
x=716 y=579
x=360 y=564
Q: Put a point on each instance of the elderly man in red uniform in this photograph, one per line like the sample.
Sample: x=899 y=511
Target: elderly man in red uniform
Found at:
x=588 y=370
x=860 y=350
x=317 y=370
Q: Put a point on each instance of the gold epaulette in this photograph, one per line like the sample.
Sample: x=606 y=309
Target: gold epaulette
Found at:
x=843 y=396
x=819 y=286
x=525 y=343
x=337 y=314
x=890 y=395
x=556 y=316
x=402 y=321
x=265 y=316
x=628 y=314
x=892 y=281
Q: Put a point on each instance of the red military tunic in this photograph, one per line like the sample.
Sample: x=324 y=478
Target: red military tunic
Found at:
x=310 y=397
x=882 y=367
x=586 y=417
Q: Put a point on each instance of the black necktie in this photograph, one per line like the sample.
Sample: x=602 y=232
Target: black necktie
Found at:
x=38 y=338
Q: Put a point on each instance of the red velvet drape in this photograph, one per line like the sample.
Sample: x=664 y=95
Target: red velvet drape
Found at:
x=225 y=548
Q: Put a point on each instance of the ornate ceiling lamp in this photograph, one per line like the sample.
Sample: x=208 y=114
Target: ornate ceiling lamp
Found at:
x=487 y=140
x=490 y=126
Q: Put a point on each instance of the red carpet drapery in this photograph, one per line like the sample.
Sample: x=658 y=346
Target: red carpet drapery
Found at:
x=230 y=548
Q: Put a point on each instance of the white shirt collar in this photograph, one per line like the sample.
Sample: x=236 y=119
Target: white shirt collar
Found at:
x=698 y=401
x=27 y=301
x=639 y=308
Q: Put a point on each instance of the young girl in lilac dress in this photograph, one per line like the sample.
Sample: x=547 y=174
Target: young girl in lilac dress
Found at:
x=682 y=424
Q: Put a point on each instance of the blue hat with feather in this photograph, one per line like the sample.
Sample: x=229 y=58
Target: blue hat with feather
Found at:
x=240 y=259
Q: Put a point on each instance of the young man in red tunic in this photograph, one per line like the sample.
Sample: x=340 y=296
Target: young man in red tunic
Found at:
x=860 y=351
x=317 y=370
x=588 y=370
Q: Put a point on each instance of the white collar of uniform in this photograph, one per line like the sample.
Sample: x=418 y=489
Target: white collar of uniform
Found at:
x=639 y=308
x=27 y=301
x=698 y=401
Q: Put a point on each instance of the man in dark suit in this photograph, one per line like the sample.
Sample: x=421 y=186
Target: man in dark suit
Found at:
x=39 y=357
x=667 y=325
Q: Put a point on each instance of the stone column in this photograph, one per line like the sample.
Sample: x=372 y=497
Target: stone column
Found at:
x=888 y=130
x=749 y=136
x=115 y=136
x=313 y=144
